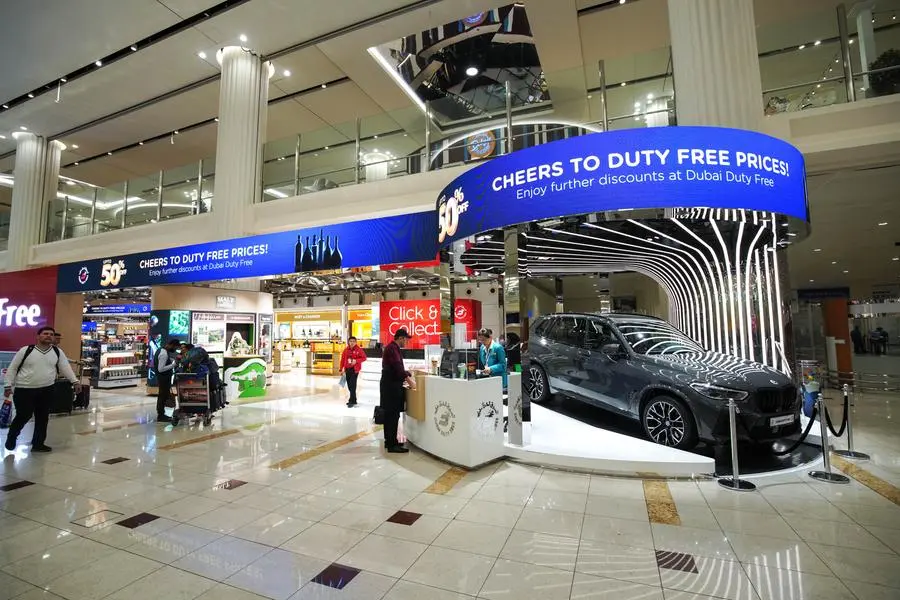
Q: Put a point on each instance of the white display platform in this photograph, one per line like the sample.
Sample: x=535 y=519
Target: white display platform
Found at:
x=464 y=426
x=563 y=442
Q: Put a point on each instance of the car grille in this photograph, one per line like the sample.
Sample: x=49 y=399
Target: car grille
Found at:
x=776 y=400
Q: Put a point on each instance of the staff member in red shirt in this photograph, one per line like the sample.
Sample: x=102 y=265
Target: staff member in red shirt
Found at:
x=393 y=397
x=352 y=359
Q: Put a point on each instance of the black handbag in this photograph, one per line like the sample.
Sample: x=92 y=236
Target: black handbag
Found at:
x=378 y=417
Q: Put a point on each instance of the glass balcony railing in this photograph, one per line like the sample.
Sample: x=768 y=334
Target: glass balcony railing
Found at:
x=830 y=57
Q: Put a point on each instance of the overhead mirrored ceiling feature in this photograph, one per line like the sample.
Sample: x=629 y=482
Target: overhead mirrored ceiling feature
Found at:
x=461 y=69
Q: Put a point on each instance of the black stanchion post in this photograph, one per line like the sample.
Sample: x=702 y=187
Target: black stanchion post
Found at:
x=735 y=482
x=850 y=452
x=826 y=475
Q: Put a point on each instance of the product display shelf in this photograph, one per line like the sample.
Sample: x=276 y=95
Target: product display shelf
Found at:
x=120 y=365
x=326 y=358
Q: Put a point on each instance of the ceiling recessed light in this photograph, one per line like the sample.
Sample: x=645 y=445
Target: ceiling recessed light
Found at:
x=818 y=43
x=99 y=63
x=846 y=271
x=882 y=224
x=76 y=164
x=326 y=147
x=202 y=54
x=5 y=106
x=817 y=250
x=812 y=280
x=63 y=79
x=75 y=146
x=802 y=46
x=242 y=37
x=140 y=143
x=621 y=1
x=851 y=41
x=624 y=83
x=175 y=132
x=30 y=95
x=375 y=137
x=896 y=258
x=133 y=48
x=287 y=73
x=217 y=119
x=834 y=262
x=472 y=71
x=109 y=153
x=2 y=137
x=324 y=85
x=23 y=128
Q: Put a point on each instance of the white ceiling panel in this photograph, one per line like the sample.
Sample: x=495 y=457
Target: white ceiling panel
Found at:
x=272 y=25
x=308 y=67
x=289 y=118
x=192 y=107
x=631 y=29
x=188 y=8
x=120 y=85
x=41 y=40
x=340 y=103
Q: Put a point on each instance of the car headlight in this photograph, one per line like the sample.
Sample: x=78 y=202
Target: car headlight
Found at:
x=718 y=393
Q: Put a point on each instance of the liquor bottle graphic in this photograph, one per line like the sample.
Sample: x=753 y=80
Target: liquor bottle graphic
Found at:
x=306 y=263
x=315 y=254
x=298 y=255
x=326 y=255
x=321 y=258
x=337 y=259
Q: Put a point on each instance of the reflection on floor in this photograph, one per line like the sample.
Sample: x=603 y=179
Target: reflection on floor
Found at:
x=110 y=514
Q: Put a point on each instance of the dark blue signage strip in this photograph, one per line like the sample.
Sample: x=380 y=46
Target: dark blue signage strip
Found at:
x=664 y=167
x=388 y=240
x=119 y=309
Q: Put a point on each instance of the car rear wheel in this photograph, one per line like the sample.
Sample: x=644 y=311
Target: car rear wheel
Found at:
x=538 y=387
x=667 y=421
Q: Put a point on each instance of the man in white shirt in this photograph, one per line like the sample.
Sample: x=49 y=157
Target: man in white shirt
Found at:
x=31 y=375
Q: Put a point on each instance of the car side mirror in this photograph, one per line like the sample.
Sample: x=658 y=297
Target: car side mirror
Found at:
x=613 y=351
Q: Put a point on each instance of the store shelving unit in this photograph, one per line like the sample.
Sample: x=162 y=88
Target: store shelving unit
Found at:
x=120 y=365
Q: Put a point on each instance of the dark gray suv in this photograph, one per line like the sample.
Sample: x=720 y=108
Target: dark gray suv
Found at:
x=647 y=369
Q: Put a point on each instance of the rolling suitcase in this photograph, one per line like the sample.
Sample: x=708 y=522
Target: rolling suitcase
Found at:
x=63 y=398
x=83 y=398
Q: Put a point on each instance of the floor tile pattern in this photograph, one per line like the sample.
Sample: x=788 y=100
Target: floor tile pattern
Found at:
x=296 y=500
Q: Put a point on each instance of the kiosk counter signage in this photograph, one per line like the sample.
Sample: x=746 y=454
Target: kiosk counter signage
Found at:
x=422 y=319
x=27 y=303
x=664 y=167
x=397 y=239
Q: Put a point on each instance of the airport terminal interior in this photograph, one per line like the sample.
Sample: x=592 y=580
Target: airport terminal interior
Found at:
x=640 y=260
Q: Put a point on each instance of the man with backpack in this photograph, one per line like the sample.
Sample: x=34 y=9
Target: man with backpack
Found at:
x=32 y=375
x=164 y=364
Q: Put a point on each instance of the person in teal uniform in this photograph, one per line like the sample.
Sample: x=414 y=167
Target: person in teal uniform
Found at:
x=492 y=357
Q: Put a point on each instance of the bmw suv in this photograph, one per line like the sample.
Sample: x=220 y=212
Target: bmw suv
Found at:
x=648 y=370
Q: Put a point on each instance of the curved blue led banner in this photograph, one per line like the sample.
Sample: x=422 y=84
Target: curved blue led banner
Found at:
x=665 y=167
x=386 y=240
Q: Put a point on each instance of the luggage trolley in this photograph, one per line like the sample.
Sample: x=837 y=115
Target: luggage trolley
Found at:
x=193 y=397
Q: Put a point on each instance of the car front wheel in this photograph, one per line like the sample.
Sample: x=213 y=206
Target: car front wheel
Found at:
x=538 y=387
x=668 y=421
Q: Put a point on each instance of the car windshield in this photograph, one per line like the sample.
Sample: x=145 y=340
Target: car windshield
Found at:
x=656 y=337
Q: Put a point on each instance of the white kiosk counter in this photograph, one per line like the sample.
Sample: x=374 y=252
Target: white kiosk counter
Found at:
x=457 y=420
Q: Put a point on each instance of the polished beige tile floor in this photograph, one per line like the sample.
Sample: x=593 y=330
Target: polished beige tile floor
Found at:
x=201 y=513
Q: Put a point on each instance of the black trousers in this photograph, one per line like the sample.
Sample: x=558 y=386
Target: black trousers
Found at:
x=352 y=378
x=393 y=398
x=31 y=402
x=164 y=380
